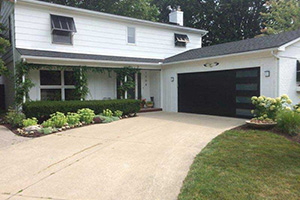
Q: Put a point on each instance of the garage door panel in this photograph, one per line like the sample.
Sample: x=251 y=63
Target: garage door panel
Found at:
x=224 y=93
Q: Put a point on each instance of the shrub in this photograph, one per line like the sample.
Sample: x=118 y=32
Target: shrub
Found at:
x=43 y=109
x=267 y=108
x=107 y=113
x=30 y=122
x=118 y=113
x=106 y=119
x=47 y=124
x=46 y=131
x=288 y=122
x=115 y=118
x=86 y=115
x=14 y=118
x=97 y=119
x=58 y=119
x=73 y=118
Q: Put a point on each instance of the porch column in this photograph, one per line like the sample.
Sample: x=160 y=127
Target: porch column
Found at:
x=136 y=86
x=24 y=95
x=80 y=80
x=126 y=93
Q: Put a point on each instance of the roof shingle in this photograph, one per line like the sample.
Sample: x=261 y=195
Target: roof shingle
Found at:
x=56 y=54
x=254 y=44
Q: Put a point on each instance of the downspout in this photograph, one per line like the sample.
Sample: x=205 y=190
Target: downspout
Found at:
x=278 y=72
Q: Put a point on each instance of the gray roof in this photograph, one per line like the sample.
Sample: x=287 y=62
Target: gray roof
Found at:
x=254 y=44
x=55 y=54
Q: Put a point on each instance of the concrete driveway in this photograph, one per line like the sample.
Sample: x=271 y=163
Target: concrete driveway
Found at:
x=146 y=158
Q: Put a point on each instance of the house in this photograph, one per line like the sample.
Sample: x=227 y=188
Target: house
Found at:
x=175 y=70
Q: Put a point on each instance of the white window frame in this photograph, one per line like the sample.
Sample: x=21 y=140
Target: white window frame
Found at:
x=128 y=28
x=62 y=87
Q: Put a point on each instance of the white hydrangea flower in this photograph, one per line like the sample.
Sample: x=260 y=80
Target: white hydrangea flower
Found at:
x=289 y=101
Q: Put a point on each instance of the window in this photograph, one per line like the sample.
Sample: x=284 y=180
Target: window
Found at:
x=181 y=40
x=50 y=77
x=62 y=29
x=298 y=71
x=131 y=35
x=57 y=85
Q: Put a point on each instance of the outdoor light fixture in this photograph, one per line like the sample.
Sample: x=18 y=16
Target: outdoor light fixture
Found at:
x=172 y=79
x=267 y=73
x=214 y=64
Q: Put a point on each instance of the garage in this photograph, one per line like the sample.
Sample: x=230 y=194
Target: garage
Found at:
x=222 y=93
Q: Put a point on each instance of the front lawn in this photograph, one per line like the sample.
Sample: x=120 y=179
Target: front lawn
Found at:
x=245 y=164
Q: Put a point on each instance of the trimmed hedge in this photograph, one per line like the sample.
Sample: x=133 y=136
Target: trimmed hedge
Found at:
x=43 y=109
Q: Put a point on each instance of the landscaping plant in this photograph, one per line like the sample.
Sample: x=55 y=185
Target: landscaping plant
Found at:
x=58 y=119
x=14 y=118
x=107 y=113
x=47 y=124
x=43 y=109
x=106 y=119
x=118 y=113
x=73 y=118
x=266 y=108
x=288 y=122
x=86 y=115
x=30 y=122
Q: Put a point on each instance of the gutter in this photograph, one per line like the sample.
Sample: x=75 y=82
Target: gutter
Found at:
x=88 y=60
x=278 y=71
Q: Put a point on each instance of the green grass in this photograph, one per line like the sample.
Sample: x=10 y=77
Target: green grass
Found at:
x=245 y=165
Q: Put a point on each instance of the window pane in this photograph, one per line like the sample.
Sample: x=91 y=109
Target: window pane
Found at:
x=50 y=77
x=50 y=94
x=243 y=99
x=69 y=78
x=62 y=37
x=246 y=87
x=131 y=35
x=246 y=73
x=244 y=112
x=55 y=22
x=70 y=95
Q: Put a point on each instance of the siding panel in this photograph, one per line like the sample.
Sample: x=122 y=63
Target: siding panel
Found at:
x=95 y=35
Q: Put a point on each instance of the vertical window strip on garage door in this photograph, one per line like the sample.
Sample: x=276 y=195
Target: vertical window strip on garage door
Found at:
x=247 y=85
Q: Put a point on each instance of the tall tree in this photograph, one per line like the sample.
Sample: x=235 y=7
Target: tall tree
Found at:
x=226 y=20
x=281 y=15
x=4 y=43
x=141 y=9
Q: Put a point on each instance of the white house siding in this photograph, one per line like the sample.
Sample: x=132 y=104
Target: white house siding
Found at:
x=264 y=60
x=95 y=35
x=287 y=75
x=102 y=85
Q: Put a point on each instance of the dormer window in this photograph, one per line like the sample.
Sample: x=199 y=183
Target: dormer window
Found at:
x=62 y=29
x=181 y=40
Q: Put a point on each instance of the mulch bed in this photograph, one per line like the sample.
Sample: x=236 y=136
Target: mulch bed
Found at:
x=296 y=138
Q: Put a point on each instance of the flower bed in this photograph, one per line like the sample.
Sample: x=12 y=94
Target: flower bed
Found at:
x=59 y=122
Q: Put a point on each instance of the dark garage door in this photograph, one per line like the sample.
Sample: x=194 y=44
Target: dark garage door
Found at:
x=223 y=93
